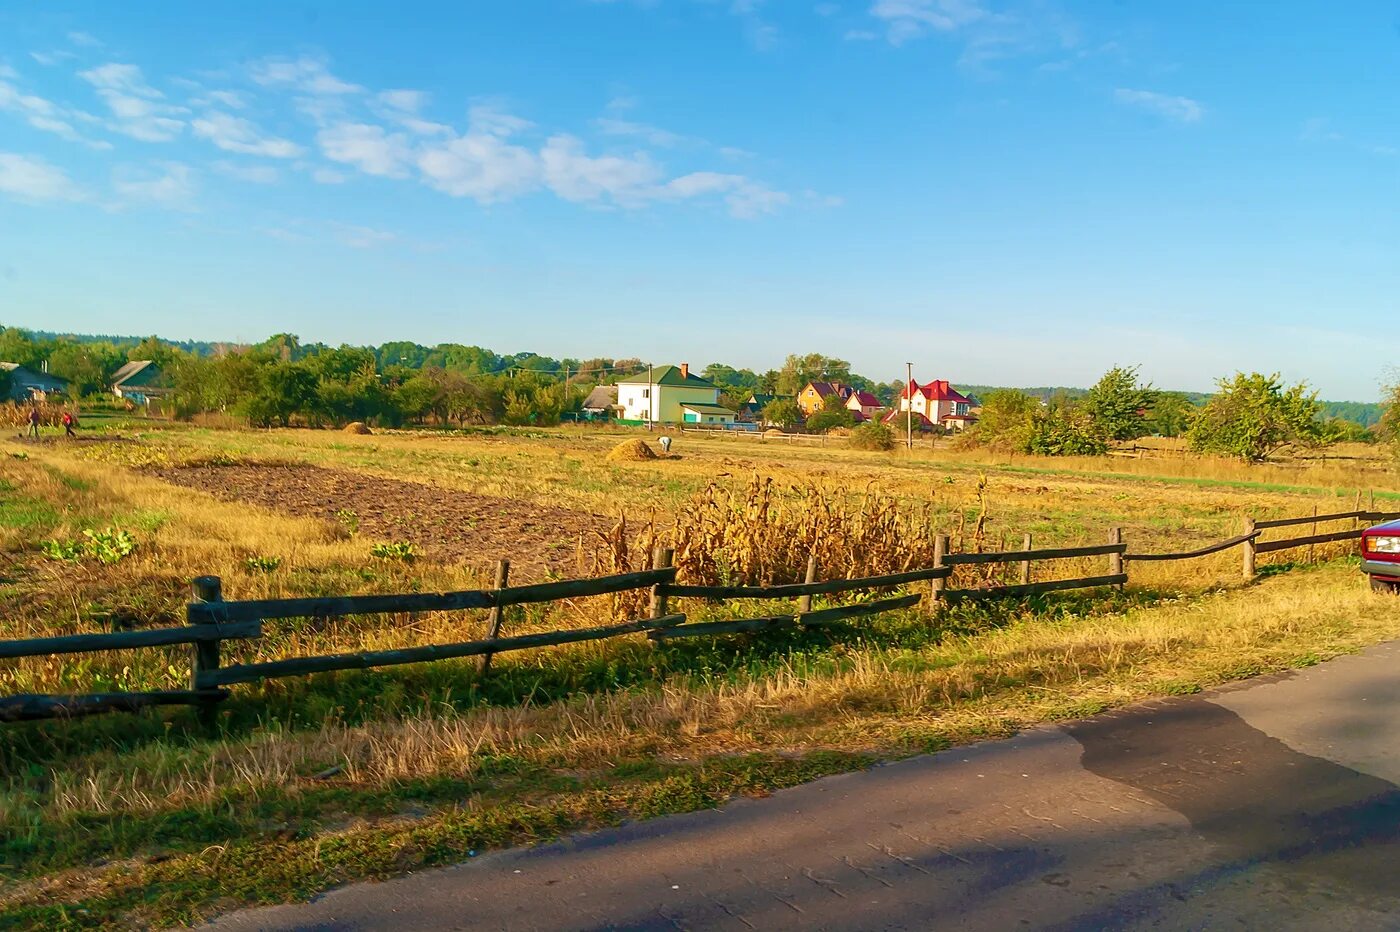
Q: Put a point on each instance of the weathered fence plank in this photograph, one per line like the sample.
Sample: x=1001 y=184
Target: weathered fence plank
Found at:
x=1307 y=519
x=301 y=666
x=1021 y=556
x=1192 y=554
x=337 y=606
x=1054 y=585
x=25 y=708
x=1269 y=546
x=792 y=590
x=705 y=628
x=826 y=616
x=126 y=640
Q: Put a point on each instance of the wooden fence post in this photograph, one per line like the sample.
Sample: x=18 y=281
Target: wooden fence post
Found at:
x=804 y=603
x=498 y=611
x=206 y=653
x=1026 y=564
x=940 y=550
x=1249 y=549
x=660 y=560
x=1115 y=560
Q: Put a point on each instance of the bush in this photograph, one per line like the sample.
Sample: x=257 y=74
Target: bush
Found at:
x=872 y=435
x=109 y=545
x=400 y=550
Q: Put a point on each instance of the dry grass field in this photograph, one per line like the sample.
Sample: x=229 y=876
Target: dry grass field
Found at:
x=147 y=819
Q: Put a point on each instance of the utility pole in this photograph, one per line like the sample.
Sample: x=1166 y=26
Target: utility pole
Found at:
x=650 y=389
x=909 y=407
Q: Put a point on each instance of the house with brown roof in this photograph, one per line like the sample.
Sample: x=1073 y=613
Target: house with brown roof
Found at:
x=27 y=385
x=813 y=396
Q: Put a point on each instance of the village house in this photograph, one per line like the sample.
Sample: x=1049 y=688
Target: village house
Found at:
x=673 y=395
x=601 y=402
x=813 y=396
x=27 y=385
x=938 y=403
x=864 y=406
x=140 y=382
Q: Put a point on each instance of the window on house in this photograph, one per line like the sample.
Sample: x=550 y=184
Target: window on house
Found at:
x=646 y=393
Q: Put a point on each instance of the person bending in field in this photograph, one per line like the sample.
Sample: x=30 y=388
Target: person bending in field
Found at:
x=69 y=422
x=33 y=422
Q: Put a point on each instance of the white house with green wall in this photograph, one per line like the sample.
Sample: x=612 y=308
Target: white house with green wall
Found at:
x=666 y=396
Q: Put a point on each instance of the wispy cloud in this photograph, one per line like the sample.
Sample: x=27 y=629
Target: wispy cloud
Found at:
x=912 y=19
x=31 y=179
x=368 y=147
x=255 y=174
x=361 y=237
x=86 y=40
x=168 y=184
x=1167 y=106
x=482 y=163
x=306 y=74
x=137 y=108
x=235 y=134
x=44 y=115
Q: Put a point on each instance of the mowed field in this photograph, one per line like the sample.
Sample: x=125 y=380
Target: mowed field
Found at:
x=311 y=782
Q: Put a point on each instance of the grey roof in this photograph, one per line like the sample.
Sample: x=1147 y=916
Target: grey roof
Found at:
x=130 y=371
x=32 y=377
x=602 y=397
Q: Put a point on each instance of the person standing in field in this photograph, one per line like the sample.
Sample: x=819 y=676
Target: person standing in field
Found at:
x=33 y=422
x=69 y=422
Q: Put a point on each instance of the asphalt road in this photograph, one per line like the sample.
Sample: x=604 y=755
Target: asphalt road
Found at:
x=1267 y=804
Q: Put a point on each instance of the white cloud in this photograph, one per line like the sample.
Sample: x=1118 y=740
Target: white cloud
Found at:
x=480 y=165
x=172 y=186
x=234 y=100
x=369 y=148
x=235 y=134
x=84 y=39
x=43 y=115
x=576 y=176
x=360 y=237
x=612 y=126
x=256 y=174
x=403 y=107
x=7 y=72
x=406 y=100
x=744 y=197
x=49 y=59
x=136 y=106
x=306 y=74
x=28 y=178
x=329 y=176
x=910 y=19
x=1177 y=109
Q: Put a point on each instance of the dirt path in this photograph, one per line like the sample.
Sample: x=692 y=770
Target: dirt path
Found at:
x=442 y=523
x=1266 y=805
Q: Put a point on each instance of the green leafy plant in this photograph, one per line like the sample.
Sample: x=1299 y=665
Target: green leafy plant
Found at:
x=263 y=564
x=109 y=545
x=348 y=520
x=66 y=551
x=396 y=550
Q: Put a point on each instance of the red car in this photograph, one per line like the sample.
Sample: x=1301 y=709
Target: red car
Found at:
x=1380 y=556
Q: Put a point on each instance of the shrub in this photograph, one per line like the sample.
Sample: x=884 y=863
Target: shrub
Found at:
x=348 y=520
x=109 y=545
x=263 y=564
x=400 y=550
x=872 y=435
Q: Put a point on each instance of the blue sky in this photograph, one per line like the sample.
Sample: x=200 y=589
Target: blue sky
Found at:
x=1001 y=192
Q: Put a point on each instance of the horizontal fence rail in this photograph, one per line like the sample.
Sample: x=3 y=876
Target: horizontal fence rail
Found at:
x=340 y=606
x=125 y=640
x=213 y=620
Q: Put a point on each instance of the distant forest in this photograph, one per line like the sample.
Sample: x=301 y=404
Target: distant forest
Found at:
x=476 y=360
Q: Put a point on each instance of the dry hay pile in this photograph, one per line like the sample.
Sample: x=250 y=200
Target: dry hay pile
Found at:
x=774 y=432
x=631 y=451
x=356 y=427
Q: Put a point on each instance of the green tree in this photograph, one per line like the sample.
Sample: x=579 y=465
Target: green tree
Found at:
x=1253 y=416
x=797 y=371
x=834 y=413
x=1171 y=414
x=88 y=367
x=872 y=435
x=1388 y=430
x=1005 y=421
x=782 y=412
x=1118 y=405
x=1062 y=428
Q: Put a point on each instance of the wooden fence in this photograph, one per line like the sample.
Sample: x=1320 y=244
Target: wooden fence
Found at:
x=213 y=620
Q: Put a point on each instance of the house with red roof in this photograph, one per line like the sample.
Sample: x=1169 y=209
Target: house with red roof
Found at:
x=938 y=403
x=864 y=406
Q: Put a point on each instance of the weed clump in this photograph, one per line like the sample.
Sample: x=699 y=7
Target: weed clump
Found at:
x=357 y=427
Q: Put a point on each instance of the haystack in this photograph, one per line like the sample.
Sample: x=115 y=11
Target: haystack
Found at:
x=773 y=432
x=631 y=451
x=357 y=427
